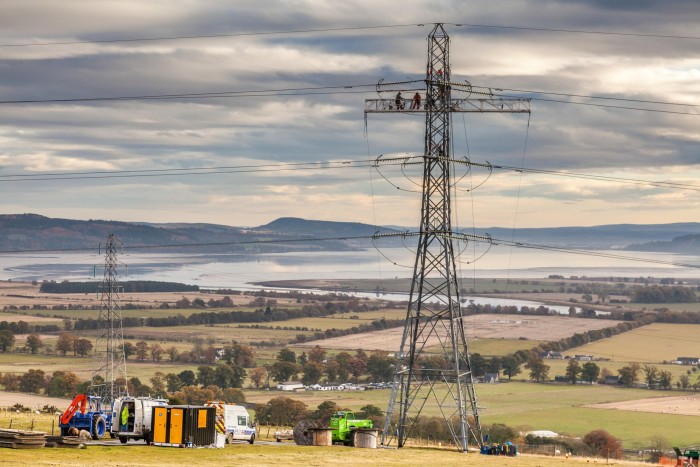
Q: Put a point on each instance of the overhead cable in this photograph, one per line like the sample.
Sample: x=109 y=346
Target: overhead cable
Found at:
x=476 y=238
x=210 y=36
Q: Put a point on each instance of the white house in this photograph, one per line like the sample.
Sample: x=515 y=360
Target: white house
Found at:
x=290 y=386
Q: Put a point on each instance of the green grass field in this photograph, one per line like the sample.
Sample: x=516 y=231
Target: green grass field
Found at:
x=527 y=406
x=521 y=405
x=560 y=408
x=277 y=454
x=654 y=343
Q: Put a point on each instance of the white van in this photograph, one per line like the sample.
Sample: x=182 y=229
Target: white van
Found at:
x=233 y=421
x=138 y=417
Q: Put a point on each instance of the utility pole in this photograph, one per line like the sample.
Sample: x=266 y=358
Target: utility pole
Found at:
x=432 y=365
x=109 y=379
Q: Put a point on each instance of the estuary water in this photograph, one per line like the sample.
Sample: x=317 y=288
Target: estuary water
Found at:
x=242 y=271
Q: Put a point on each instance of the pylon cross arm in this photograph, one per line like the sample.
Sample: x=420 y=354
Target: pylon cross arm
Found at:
x=491 y=105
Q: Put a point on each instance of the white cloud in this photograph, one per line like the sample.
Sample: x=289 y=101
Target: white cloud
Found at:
x=228 y=132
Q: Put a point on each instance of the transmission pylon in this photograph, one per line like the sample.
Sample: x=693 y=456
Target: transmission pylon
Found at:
x=109 y=378
x=432 y=365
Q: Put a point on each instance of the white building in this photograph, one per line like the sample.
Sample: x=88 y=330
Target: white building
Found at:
x=290 y=386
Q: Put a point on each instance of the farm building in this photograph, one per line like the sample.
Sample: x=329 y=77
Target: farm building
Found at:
x=290 y=386
x=491 y=378
x=552 y=355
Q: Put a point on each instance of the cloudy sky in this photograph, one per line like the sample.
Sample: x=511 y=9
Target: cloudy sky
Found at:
x=246 y=160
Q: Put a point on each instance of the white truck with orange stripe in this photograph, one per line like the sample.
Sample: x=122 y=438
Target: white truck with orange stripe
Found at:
x=234 y=422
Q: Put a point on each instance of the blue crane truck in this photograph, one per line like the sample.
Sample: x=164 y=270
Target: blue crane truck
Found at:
x=86 y=413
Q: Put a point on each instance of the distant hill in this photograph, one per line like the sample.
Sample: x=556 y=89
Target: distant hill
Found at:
x=22 y=232
x=614 y=236
x=685 y=244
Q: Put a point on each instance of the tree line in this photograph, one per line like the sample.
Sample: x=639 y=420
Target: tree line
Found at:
x=125 y=286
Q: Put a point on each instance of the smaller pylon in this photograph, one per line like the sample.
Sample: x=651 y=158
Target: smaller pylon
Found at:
x=109 y=378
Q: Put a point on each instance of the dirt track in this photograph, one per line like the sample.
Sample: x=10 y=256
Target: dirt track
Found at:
x=478 y=327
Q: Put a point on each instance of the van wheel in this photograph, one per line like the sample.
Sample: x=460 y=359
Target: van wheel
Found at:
x=229 y=438
x=252 y=439
x=123 y=440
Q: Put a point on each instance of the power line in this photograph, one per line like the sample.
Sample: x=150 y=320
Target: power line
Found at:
x=621 y=107
x=148 y=173
x=356 y=28
x=578 y=31
x=634 y=181
x=315 y=165
x=211 y=36
x=622 y=99
x=311 y=91
x=202 y=95
x=477 y=239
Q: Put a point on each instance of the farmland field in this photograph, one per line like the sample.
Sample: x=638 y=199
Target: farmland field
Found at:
x=656 y=342
x=569 y=409
x=525 y=406
x=479 y=326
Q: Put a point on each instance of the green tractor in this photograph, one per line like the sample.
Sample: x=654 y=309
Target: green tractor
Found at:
x=344 y=425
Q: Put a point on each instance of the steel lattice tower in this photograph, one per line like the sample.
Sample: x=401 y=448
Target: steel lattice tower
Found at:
x=109 y=378
x=434 y=318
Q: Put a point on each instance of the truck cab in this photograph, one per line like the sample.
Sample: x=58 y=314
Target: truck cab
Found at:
x=234 y=422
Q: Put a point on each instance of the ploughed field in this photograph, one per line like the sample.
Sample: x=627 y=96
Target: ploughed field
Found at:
x=525 y=327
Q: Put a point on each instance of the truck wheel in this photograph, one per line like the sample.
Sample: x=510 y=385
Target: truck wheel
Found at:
x=123 y=439
x=229 y=438
x=252 y=439
x=99 y=427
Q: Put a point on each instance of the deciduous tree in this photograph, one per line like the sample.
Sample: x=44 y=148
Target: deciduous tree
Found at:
x=141 y=350
x=82 y=347
x=286 y=355
x=604 y=444
x=257 y=376
x=64 y=344
x=7 y=340
x=281 y=411
x=590 y=372
x=380 y=366
x=573 y=369
x=284 y=371
x=312 y=373
x=511 y=367
x=34 y=343
x=539 y=371
x=32 y=381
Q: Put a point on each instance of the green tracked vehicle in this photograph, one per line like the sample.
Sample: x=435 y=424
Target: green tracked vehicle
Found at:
x=344 y=425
